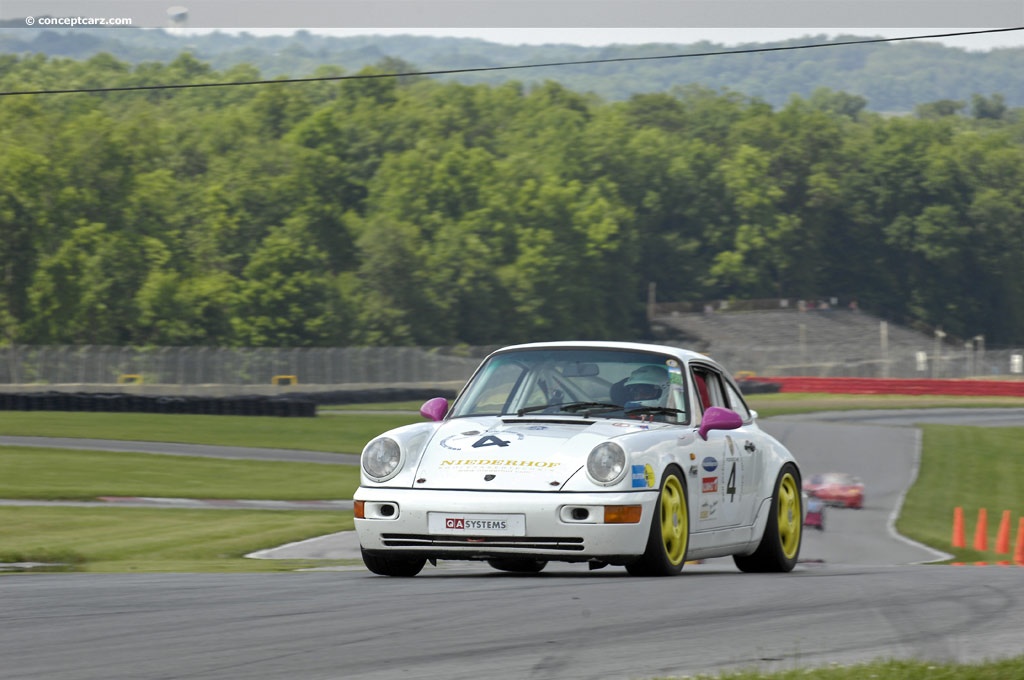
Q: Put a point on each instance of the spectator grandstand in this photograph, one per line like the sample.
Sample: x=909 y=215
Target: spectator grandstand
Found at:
x=787 y=338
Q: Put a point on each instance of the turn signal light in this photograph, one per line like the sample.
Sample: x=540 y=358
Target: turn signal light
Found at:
x=622 y=514
x=358 y=510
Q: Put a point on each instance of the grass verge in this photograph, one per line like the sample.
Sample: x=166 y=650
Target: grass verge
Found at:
x=63 y=474
x=128 y=540
x=341 y=433
x=969 y=467
x=890 y=670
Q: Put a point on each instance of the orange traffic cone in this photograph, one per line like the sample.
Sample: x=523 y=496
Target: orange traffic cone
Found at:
x=958 y=528
x=1018 y=553
x=1003 y=537
x=981 y=531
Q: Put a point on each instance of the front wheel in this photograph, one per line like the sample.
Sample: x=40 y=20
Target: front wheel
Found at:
x=393 y=566
x=669 y=535
x=780 y=544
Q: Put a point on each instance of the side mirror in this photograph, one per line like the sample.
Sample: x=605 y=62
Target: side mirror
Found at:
x=434 y=409
x=718 y=418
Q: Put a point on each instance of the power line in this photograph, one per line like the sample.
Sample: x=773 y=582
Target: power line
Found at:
x=367 y=76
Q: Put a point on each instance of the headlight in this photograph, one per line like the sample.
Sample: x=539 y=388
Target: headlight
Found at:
x=606 y=464
x=382 y=458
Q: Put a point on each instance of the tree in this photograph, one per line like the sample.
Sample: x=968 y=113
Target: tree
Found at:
x=85 y=292
x=939 y=109
x=286 y=297
x=990 y=108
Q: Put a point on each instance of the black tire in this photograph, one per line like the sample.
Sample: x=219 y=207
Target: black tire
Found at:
x=393 y=566
x=783 y=533
x=669 y=536
x=518 y=565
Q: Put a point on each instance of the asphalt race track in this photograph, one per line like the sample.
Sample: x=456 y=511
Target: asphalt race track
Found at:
x=860 y=593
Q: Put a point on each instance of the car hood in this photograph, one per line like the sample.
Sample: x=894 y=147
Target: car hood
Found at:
x=521 y=455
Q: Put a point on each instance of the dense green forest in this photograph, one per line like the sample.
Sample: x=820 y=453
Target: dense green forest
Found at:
x=397 y=211
x=892 y=77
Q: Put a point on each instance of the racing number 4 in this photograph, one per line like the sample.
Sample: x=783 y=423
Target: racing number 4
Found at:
x=730 y=485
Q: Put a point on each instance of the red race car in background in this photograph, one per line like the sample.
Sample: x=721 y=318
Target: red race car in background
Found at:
x=836 y=488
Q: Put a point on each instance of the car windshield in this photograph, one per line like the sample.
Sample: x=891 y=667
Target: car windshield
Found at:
x=588 y=382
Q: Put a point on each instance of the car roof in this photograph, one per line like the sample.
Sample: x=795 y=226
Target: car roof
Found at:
x=685 y=355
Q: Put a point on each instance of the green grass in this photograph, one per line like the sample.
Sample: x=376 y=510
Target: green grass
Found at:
x=969 y=467
x=62 y=474
x=890 y=670
x=346 y=429
x=341 y=433
x=159 y=540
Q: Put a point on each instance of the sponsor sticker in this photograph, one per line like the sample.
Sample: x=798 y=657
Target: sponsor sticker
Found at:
x=477 y=440
x=709 y=464
x=497 y=464
x=709 y=484
x=642 y=476
x=462 y=523
x=455 y=523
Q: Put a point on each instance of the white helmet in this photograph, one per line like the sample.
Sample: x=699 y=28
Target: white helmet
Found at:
x=647 y=386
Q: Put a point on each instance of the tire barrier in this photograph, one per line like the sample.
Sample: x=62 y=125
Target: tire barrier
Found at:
x=754 y=386
x=375 y=395
x=258 y=405
x=293 y=404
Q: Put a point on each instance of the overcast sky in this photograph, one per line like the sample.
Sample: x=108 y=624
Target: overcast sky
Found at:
x=582 y=22
x=725 y=36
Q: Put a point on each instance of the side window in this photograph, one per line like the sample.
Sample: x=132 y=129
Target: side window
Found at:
x=700 y=383
x=736 y=402
x=709 y=387
x=714 y=390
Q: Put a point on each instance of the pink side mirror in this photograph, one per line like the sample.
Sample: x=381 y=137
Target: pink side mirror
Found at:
x=434 y=409
x=718 y=418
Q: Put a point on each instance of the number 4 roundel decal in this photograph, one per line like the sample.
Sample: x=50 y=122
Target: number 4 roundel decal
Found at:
x=489 y=440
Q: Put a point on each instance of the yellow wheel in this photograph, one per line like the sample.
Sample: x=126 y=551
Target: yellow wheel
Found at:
x=790 y=516
x=780 y=543
x=669 y=534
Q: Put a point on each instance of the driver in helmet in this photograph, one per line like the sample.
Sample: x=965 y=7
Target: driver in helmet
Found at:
x=646 y=386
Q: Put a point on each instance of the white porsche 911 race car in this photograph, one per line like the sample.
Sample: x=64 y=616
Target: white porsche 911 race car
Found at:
x=608 y=453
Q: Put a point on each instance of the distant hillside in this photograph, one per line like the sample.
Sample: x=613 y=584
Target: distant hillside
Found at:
x=893 y=77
